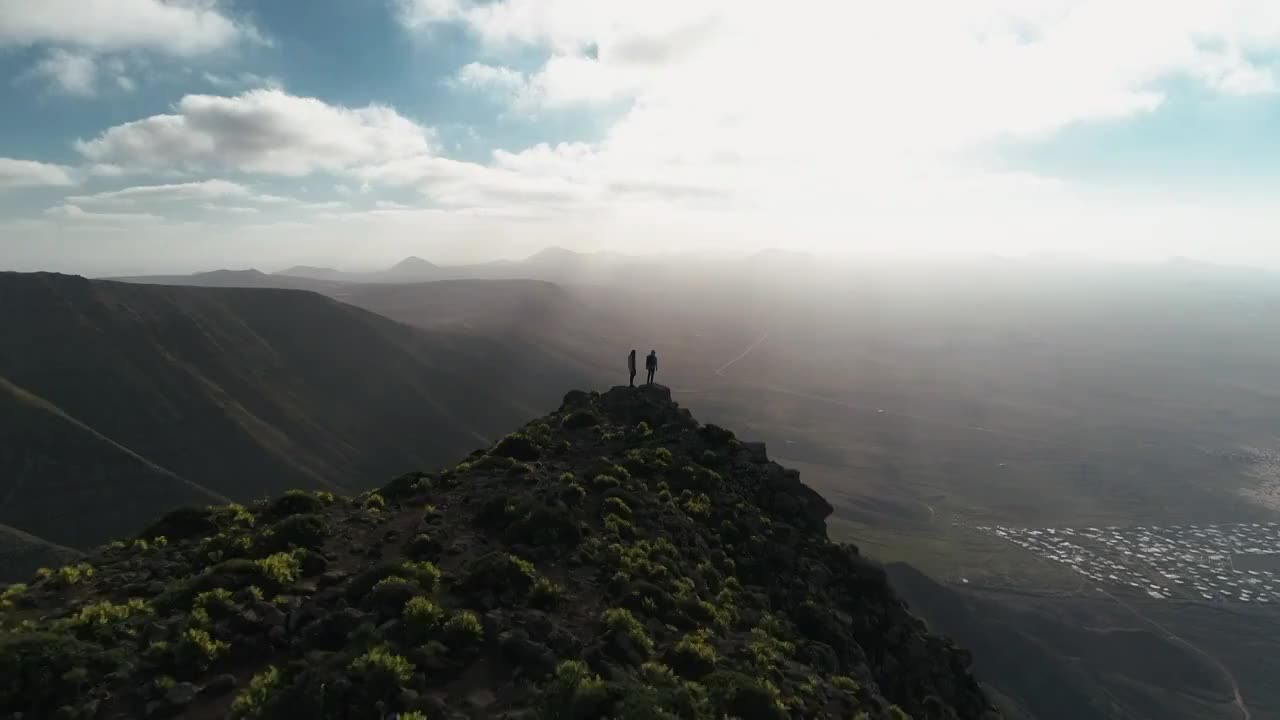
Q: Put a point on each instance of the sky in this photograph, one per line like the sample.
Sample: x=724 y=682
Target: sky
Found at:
x=185 y=135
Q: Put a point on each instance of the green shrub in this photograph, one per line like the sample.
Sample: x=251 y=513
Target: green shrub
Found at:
x=10 y=595
x=258 y=701
x=618 y=526
x=617 y=506
x=573 y=494
x=517 y=446
x=766 y=651
x=492 y=463
x=421 y=617
x=293 y=502
x=423 y=547
x=380 y=673
x=499 y=572
x=698 y=506
x=389 y=595
x=739 y=695
x=375 y=502
x=619 y=622
x=580 y=419
x=463 y=629
x=282 y=567
x=217 y=602
x=196 y=650
x=361 y=584
x=573 y=693
x=694 y=656
x=232 y=516
x=69 y=575
x=424 y=573
x=105 y=613
x=545 y=594
x=304 y=530
x=844 y=683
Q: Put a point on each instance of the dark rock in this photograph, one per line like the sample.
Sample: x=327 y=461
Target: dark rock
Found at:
x=756 y=451
x=182 y=524
x=220 y=685
x=180 y=695
x=331 y=577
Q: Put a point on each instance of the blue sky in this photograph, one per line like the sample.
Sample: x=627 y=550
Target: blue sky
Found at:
x=180 y=135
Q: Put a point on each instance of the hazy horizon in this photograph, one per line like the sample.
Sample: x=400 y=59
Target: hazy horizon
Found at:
x=167 y=136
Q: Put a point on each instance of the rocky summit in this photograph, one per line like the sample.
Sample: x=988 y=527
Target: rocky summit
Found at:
x=614 y=559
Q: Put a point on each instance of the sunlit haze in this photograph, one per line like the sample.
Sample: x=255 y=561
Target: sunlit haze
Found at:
x=183 y=135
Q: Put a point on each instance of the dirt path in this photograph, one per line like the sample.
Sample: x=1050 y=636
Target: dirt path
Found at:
x=752 y=346
x=1235 y=687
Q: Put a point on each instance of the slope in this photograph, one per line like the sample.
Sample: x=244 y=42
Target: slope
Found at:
x=56 y=476
x=612 y=559
x=241 y=392
x=24 y=553
x=1065 y=664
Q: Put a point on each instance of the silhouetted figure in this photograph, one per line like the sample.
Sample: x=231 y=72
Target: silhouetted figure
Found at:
x=651 y=364
x=631 y=368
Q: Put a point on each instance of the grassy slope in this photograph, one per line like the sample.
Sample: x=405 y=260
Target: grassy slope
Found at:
x=57 y=476
x=243 y=392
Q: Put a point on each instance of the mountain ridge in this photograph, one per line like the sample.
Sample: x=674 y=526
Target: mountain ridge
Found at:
x=614 y=558
x=164 y=394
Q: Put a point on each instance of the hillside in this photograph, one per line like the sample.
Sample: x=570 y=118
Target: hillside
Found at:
x=155 y=396
x=612 y=559
x=25 y=553
x=1071 y=662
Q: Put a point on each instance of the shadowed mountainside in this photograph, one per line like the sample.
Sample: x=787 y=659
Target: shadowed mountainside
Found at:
x=614 y=559
x=152 y=396
x=1055 y=668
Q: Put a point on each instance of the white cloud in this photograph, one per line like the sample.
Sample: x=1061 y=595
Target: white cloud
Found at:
x=233 y=209
x=835 y=110
x=201 y=190
x=29 y=173
x=179 y=27
x=260 y=131
x=75 y=213
x=481 y=76
x=243 y=81
x=72 y=73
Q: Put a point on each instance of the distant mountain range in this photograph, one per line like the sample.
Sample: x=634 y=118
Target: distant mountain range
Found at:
x=553 y=264
x=142 y=398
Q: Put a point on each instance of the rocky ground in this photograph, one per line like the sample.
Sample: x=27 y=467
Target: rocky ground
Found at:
x=614 y=559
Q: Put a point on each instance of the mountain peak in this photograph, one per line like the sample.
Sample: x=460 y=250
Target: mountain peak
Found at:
x=615 y=556
x=413 y=262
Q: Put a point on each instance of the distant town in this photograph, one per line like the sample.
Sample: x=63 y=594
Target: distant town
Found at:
x=1220 y=562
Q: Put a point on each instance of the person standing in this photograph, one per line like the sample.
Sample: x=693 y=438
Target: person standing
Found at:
x=631 y=368
x=651 y=364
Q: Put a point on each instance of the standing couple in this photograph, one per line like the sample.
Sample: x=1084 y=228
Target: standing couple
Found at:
x=650 y=364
